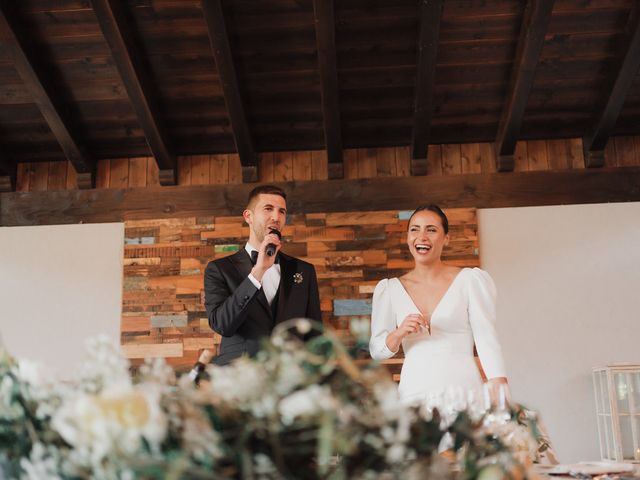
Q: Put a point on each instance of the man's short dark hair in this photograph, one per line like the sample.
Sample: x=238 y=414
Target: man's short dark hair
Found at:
x=267 y=190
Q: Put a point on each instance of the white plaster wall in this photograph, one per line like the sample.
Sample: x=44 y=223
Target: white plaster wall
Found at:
x=568 y=281
x=58 y=286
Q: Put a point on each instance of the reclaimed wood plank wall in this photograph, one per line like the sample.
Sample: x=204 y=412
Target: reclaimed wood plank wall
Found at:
x=448 y=159
x=163 y=312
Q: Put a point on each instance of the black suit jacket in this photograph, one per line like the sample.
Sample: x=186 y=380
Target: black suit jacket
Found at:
x=239 y=311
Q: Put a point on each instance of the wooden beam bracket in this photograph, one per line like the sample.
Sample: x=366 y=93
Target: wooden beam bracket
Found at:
x=535 y=22
x=419 y=167
x=7 y=183
x=249 y=173
x=86 y=180
x=221 y=49
x=595 y=142
x=335 y=170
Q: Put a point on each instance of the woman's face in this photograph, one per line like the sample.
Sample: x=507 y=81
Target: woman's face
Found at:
x=426 y=237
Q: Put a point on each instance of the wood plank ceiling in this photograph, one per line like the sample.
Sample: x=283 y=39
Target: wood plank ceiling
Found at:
x=86 y=80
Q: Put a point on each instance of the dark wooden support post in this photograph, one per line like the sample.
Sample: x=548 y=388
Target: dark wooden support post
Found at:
x=534 y=26
x=221 y=49
x=430 y=13
x=134 y=72
x=596 y=140
x=326 y=44
x=44 y=95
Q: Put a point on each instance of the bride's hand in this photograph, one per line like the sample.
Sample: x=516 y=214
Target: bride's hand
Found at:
x=412 y=323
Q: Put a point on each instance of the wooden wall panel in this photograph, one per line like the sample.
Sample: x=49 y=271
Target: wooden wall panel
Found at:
x=163 y=312
x=447 y=159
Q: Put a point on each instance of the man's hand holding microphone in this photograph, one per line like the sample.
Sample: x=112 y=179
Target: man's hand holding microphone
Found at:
x=267 y=251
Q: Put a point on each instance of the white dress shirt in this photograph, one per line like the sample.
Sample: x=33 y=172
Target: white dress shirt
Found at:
x=270 y=279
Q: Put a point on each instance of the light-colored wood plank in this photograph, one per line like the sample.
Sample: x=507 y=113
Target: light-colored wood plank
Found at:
x=576 y=154
x=40 y=178
x=350 y=159
x=103 y=174
x=153 y=350
x=72 y=177
x=219 y=172
x=558 y=151
x=487 y=157
x=451 y=159
x=319 y=165
x=184 y=170
x=520 y=157
x=283 y=166
x=235 y=168
x=138 y=172
x=200 y=169
x=119 y=176
x=57 y=179
x=537 y=153
x=386 y=162
x=23 y=177
x=403 y=161
x=434 y=160
x=302 y=165
x=470 y=158
x=367 y=159
x=266 y=167
x=153 y=173
x=362 y=218
x=625 y=151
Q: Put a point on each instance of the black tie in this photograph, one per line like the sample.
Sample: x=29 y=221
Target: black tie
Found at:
x=254 y=257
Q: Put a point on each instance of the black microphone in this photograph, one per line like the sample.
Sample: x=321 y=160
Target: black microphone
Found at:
x=271 y=248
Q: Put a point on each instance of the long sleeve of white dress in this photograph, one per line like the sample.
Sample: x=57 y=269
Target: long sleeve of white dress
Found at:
x=383 y=322
x=482 y=318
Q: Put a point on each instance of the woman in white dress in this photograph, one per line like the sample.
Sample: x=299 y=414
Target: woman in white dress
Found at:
x=437 y=312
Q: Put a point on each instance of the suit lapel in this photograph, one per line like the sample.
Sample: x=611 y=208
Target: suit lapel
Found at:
x=243 y=265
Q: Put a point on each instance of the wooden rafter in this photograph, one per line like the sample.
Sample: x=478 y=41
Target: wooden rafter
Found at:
x=221 y=49
x=134 y=72
x=534 y=26
x=44 y=95
x=326 y=45
x=430 y=13
x=595 y=142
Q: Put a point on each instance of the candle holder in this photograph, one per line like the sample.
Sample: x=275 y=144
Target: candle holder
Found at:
x=617 y=395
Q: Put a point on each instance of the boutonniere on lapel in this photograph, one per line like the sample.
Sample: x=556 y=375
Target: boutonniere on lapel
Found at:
x=298 y=278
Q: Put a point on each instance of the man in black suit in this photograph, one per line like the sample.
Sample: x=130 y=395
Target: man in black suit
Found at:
x=246 y=297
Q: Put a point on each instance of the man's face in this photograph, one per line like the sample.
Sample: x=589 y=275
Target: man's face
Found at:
x=268 y=211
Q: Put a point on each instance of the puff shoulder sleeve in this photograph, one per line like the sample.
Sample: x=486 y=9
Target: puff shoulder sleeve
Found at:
x=482 y=317
x=383 y=321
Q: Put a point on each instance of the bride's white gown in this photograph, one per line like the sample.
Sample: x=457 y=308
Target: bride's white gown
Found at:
x=466 y=313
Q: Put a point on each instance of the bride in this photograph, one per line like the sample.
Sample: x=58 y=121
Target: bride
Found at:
x=437 y=312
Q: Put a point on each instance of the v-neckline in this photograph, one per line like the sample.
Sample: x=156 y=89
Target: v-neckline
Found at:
x=444 y=295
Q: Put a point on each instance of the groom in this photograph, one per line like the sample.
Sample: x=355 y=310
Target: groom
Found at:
x=249 y=292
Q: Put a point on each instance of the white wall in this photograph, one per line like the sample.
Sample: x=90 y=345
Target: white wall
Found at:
x=58 y=286
x=568 y=281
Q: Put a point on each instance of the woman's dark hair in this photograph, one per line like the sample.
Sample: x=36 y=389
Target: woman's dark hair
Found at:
x=435 y=209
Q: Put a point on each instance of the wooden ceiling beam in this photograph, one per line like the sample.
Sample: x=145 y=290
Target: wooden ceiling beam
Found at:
x=535 y=22
x=117 y=30
x=430 y=14
x=219 y=40
x=44 y=94
x=596 y=140
x=326 y=44
x=493 y=190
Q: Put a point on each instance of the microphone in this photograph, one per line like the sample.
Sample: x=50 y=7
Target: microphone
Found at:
x=271 y=248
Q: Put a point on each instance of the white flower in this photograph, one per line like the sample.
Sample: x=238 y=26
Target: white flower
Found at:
x=386 y=394
x=112 y=422
x=42 y=464
x=312 y=400
x=240 y=383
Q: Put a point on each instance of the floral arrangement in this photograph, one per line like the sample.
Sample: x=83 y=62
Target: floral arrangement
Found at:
x=298 y=410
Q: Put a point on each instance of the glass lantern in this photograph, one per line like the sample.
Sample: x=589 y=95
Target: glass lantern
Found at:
x=617 y=394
